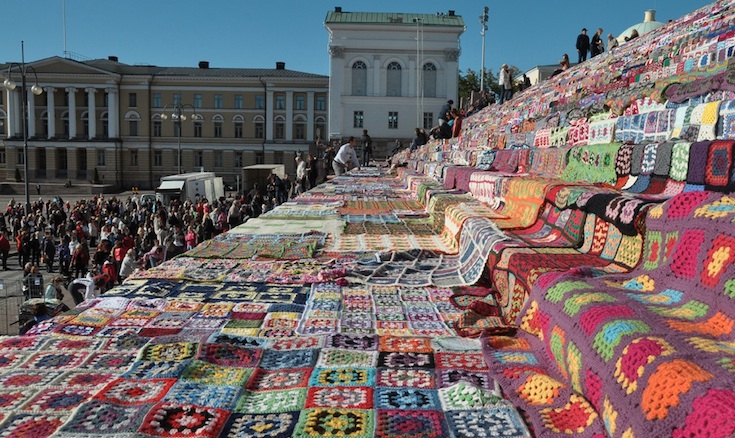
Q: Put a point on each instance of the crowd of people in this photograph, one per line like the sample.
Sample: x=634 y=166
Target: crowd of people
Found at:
x=105 y=239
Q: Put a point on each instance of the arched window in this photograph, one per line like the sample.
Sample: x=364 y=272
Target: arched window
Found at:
x=429 y=80
x=259 y=122
x=393 y=87
x=238 y=122
x=299 y=127
x=320 y=127
x=359 y=79
x=280 y=128
x=218 y=122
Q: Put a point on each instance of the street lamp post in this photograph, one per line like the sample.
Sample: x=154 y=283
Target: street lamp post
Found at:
x=36 y=90
x=178 y=116
x=483 y=22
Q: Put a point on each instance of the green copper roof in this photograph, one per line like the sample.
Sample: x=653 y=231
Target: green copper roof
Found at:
x=401 y=18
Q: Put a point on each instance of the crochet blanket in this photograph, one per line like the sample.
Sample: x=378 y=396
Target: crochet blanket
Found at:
x=647 y=353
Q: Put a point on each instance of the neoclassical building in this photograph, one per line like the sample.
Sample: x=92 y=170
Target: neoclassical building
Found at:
x=120 y=120
x=390 y=72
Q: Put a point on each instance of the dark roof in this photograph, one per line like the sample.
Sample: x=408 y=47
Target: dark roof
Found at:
x=120 y=68
x=398 y=18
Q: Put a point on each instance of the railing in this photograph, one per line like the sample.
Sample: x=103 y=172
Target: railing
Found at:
x=11 y=299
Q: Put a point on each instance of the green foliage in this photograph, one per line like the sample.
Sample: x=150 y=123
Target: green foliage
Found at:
x=470 y=81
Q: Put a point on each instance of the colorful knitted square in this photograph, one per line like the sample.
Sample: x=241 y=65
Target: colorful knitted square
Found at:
x=342 y=377
x=465 y=395
x=222 y=397
x=465 y=361
x=405 y=360
x=352 y=342
x=262 y=402
x=406 y=378
x=171 y=419
x=98 y=418
x=66 y=360
x=211 y=374
x=11 y=359
x=297 y=343
x=327 y=422
x=332 y=357
x=31 y=425
x=108 y=360
x=340 y=397
x=21 y=378
x=59 y=400
x=230 y=355
x=277 y=425
x=449 y=377
x=135 y=392
x=279 y=379
x=274 y=359
x=402 y=344
x=422 y=423
x=157 y=369
x=168 y=352
x=87 y=379
x=13 y=398
x=499 y=420
x=406 y=398
x=77 y=330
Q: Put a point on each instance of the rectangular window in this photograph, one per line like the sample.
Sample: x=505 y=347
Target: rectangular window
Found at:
x=101 y=157
x=157 y=128
x=218 y=159
x=158 y=158
x=197 y=101
x=157 y=100
x=197 y=129
x=217 y=101
x=259 y=130
x=280 y=102
x=20 y=157
x=3 y=160
x=280 y=130
x=238 y=101
x=428 y=120
x=133 y=128
x=259 y=158
x=133 y=100
x=199 y=158
x=299 y=131
x=133 y=157
x=321 y=103
x=259 y=102
x=238 y=129
x=238 y=159
x=278 y=157
x=218 y=129
x=300 y=102
x=177 y=98
x=393 y=120
x=357 y=119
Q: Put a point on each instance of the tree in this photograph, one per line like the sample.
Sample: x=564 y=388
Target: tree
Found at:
x=471 y=82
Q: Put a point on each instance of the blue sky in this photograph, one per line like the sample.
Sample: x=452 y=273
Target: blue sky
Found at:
x=257 y=33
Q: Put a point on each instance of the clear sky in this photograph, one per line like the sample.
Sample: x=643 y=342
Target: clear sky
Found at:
x=257 y=33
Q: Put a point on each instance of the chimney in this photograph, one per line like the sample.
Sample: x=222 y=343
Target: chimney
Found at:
x=112 y=58
x=451 y=13
x=280 y=65
x=649 y=16
x=338 y=9
x=203 y=64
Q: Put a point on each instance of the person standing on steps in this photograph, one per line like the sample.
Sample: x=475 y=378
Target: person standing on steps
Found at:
x=367 y=147
x=583 y=45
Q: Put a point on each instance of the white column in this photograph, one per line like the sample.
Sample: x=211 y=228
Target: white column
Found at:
x=289 y=115
x=12 y=114
x=310 y=116
x=51 y=111
x=31 y=113
x=72 y=112
x=269 y=115
x=113 y=113
x=376 y=89
x=91 y=112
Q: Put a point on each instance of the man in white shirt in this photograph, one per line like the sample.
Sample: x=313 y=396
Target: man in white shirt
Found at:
x=346 y=158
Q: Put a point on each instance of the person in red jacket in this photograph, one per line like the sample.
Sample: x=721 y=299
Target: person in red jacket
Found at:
x=4 y=248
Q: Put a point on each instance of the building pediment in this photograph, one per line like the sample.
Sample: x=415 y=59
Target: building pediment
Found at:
x=58 y=66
